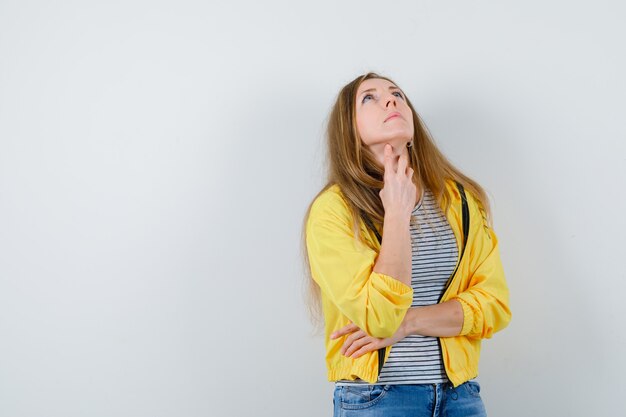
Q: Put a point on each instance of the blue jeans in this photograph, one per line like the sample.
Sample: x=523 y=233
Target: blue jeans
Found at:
x=427 y=400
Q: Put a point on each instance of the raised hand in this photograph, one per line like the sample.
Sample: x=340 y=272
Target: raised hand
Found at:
x=399 y=192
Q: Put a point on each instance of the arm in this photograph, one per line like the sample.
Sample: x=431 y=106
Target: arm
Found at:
x=482 y=308
x=395 y=249
x=440 y=320
x=485 y=302
x=344 y=270
x=398 y=198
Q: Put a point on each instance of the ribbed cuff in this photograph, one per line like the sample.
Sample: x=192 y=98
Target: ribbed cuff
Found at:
x=468 y=316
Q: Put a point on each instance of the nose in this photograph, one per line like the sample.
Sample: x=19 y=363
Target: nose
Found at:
x=391 y=99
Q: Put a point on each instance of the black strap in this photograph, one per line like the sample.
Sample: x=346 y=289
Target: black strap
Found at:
x=465 y=216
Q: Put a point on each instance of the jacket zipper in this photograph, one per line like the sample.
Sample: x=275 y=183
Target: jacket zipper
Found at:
x=465 y=231
x=465 y=218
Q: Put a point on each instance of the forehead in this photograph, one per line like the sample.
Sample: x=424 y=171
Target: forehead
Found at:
x=377 y=83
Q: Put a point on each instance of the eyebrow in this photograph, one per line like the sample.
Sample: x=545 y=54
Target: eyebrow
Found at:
x=391 y=87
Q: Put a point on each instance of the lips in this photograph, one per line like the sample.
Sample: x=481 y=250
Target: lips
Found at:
x=392 y=115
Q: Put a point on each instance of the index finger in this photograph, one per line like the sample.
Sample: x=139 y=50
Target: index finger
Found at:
x=344 y=331
x=388 y=158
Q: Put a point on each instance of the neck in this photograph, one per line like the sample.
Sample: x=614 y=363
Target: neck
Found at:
x=398 y=149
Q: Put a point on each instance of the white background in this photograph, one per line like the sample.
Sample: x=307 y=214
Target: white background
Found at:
x=156 y=160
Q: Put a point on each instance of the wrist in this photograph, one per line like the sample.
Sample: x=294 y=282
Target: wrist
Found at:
x=408 y=324
x=397 y=219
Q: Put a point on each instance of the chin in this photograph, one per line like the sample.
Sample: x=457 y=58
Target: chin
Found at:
x=397 y=143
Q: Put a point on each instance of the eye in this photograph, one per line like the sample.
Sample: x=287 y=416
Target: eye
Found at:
x=399 y=94
x=366 y=96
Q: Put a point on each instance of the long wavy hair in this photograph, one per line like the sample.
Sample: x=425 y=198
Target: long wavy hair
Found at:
x=354 y=168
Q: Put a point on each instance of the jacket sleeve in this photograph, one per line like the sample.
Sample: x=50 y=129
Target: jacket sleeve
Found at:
x=486 y=300
x=343 y=269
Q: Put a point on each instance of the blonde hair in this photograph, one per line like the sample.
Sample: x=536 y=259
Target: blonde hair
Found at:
x=353 y=167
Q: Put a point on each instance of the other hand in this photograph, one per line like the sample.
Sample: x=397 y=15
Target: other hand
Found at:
x=359 y=343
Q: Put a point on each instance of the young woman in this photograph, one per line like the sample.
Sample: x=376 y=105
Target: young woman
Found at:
x=403 y=262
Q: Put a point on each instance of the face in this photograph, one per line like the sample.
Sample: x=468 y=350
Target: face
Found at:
x=382 y=114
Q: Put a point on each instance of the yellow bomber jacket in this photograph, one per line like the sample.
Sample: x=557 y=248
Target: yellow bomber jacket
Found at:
x=377 y=303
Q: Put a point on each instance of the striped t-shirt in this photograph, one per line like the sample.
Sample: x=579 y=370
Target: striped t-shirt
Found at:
x=417 y=359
